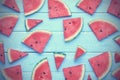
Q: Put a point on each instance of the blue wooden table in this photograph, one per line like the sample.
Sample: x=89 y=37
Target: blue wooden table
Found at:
x=85 y=39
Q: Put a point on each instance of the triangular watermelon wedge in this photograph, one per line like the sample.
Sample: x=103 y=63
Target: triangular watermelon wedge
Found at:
x=89 y=77
x=79 y=52
x=101 y=64
x=117 y=40
x=14 y=55
x=31 y=23
x=37 y=40
x=102 y=28
x=12 y=73
x=117 y=57
x=11 y=4
x=72 y=28
x=57 y=9
x=74 y=72
x=32 y=6
x=89 y=6
x=2 y=55
x=116 y=73
x=7 y=24
x=59 y=57
x=42 y=71
x=114 y=8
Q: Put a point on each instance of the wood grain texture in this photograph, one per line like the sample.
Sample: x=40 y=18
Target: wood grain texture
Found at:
x=85 y=39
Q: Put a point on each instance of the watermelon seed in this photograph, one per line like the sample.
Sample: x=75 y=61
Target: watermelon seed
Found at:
x=98 y=64
x=36 y=42
x=17 y=73
x=69 y=22
x=10 y=27
x=90 y=8
x=101 y=30
x=31 y=45
x=49 y=7
x=44 y=73
x=70 y=72
x=1 y=55
x=20 y=55
x=118 y=14
x=65 y=29
x=13 y=7
x=65 y=78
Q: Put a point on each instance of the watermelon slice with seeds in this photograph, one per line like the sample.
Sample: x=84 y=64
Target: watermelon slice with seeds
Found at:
x=116 y=73
x=11 y=4
x=89 y=77
x=101 y=64
x=117 y=40
x=14 y=55
x=102 y=28
x=12 y=73
x=32 y=6
x=37 y=40
x=79 y=52
x=114 y=8
x=7 y=24
x=57 y=9
x=31 y=23
x=72 y=28
x=89 y=6
x=2 y=55
x=42 y=71
x=74 y=72
x=59 y=57
x=117 y=57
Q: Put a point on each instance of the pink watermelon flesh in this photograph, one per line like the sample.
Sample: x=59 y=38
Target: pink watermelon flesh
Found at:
x=72 y=28
x=74 y=72
x=114 y=8
x=13 y=73
x=89 y=6
x=37 y=40
x=42 y=71
x=101 y=64
x=15 y=55
x=32 y=6
x=117 y=57
x=7 y=24
x=11 y=4
x=102 y=28
x=79 y=52
x=116 y=73
x=89 y=77
x=57 y=9
x=31 y=23
x=2 y=55
x=117 y=40
x=59 y=59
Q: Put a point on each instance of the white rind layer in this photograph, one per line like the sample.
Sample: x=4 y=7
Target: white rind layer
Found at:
x=83 y=72
x=6 y=16
x=116 y=38
x=9 y=57
x=116 y=70
x=74 y=35
x=33 y=11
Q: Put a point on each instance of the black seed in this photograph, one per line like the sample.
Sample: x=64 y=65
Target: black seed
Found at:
x=13 y=7
x=11 y=27
x=20 y=55
x=41 y=77
x=101 y=30
x=98 y=64
x=31 y=45
x=69 y=22
x=90 y=8
x=17 y=73
x=1 y=55
x=65 y=29
x=70 y=72
x=65 y=78
x=44 y=73
x=36 y=42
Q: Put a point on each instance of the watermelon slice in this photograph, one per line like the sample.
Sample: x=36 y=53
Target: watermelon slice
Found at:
x=116 y=73
x=72 y=28
x=101 y=64
x=114 y=8
x=14 y=55
x=89 y=77
x=57 y=9
x=117 y=40
x=32 y=6
x=79 y=52
x=37 y=40
x=102 y=28
x=31 y=23
x=117 y=57
x=59 y=57
x=11 y=4
x=2 y=55
x=42 y=71
x=7 y=24
x=89 y=6
x=12 y=73
x=74 y=72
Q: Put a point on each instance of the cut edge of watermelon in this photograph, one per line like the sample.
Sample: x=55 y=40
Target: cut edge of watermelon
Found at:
x=116 y=70
x=82 y=48
x=83 y=72
x=109 y=66
x=11 y=15
x=31 y=12
x=74 y=35
x=37 y=65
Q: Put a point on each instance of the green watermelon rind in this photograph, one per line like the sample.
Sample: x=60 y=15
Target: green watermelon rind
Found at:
x=37 y=65
x=75 y=35
x=116 y=38
x=33 y=11
x=60 y=54
x=116 y=70
x=48 y=32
